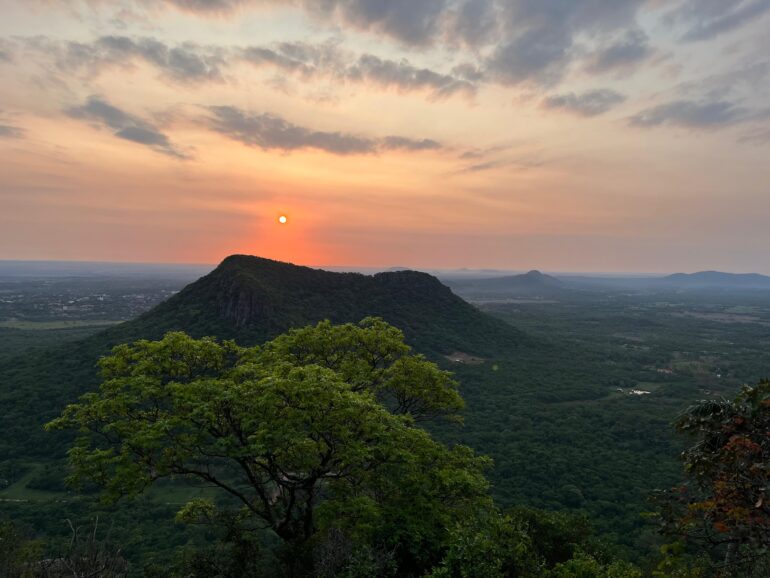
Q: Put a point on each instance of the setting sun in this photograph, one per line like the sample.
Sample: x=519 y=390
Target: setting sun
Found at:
x=282 y=219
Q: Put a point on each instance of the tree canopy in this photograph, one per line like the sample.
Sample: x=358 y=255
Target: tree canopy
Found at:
x=311 y=436
x=724 y=506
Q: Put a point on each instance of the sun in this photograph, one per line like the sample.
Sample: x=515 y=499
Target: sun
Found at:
x=283 y=219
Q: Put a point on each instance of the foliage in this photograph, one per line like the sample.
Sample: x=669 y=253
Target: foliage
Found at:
x=291 y=432
x=586 y=566
x=85 y=555
x=724 y=506
x=17 y=550
x=526 y=543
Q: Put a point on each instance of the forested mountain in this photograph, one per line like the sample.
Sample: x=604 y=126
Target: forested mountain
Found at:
x=251 y=299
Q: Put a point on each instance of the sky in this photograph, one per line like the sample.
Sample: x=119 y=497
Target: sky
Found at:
x=563 y=135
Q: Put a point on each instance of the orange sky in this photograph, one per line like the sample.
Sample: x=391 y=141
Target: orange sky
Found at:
x=605 y=135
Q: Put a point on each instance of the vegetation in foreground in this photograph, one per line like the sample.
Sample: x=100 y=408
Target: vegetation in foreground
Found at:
x=314 y=443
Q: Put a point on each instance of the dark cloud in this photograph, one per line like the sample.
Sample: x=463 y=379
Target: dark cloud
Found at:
x=540 y=56
x=186 y=62
x=415 y=22
x=403 y=76
x=629 y=51
x=706 y=19
x=325 y=59
x=208 y=6
x=475 y=22
x=124 y=125
x=692 y=114
x=540 y=35
x=268 y=131
x=592 y=103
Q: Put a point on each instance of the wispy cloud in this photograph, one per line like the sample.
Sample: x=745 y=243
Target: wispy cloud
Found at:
x=311 y=60
x=124 y=125
x=271 y=132
x=706 y=19
x=592 y=103
x=181 y=63
x=692 y=114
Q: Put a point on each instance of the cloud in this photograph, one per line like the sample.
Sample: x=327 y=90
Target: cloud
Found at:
x=515 y=41
x=474 y=22
x=760 y=136
x=405 y=77
x=124 y=125
x=523 y=163
x=592 y=103
x=629 y=51
x=10 y=131
x=540 y=56
x=541 y=36
x=207 y=6
x=327 y=60
x=706 y=19
x=415 y=22
x=272 y=132
x=692 y=114
x=183 y=63
x=484 y=166
x=400 y=142
x=190 y=63
x=263 y=56
x=186 y=62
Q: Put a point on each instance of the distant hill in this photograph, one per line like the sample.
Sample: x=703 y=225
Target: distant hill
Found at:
x=531 y=284
x=701 y=281
x=251 y=300
x=717 y=279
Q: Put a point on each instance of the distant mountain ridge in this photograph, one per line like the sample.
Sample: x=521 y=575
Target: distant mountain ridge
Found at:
x=530 y=284
x=719 y=279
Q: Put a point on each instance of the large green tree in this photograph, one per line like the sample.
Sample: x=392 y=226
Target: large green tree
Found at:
x=312 y=437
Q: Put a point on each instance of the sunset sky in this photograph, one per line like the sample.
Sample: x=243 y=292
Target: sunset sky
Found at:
x=564 y=135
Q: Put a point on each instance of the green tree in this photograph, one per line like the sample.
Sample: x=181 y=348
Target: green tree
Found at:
x=725 y=504
x=310 y=435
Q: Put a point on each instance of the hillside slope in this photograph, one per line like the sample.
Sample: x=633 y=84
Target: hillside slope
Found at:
x=251 y=299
